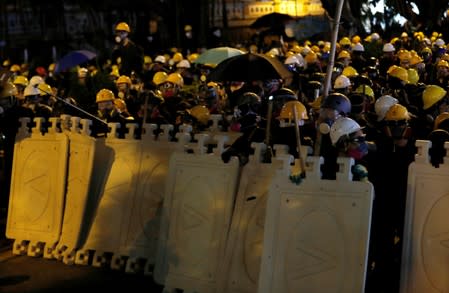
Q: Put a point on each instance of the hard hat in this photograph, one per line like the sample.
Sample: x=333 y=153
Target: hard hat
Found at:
x=35 y=80
x=44 y=89
x=287 y=111
x=398 y=72
x=176 y=79
x=416 y=59
x=120 y=104
x=187 y=28
x=311 y=57
x=439 y=43
x=9 y=90
x=315 y=49
x=356 y=39
x=383 y=104
x=343 y=54
x=159 y=77
x=160 y=59
x=349 y=71
x=343 y=126
x=365 y=90
x=147 y=59
x=431 y=95
x=82 y=72
x=183 y=64
x=404 y=55
x=122 y=26
x=14 y=68
x=104 y=95
x=388 y=47
x=413 y=76
x=426 y=50
x=291 y=60
x=124 y=79
x=345 y=41
x=200 y=113
x=338 y=102
x=342 y=82
x=375 y=36
x=21 y=80
x=443 y=63
x=192 y=57
x=445 y=57
x=306 y=50
x=52 y=67
x=440 y=118
x=404 y=35
x=397 y=112
x=177 y=57
x=274 y=52
x=31 y=90
x=358 y=48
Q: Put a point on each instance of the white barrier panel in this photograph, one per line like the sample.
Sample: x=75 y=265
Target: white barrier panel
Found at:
x=37 y=189
x=241 y=266
x=81 y=163
x=316 y=234
x=196 y=215
x=425 y=266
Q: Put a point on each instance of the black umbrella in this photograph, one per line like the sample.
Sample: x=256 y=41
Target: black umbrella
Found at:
x=249 y=67
x=274 y=19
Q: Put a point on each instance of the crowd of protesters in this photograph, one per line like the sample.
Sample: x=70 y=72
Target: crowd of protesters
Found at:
x=385 y=95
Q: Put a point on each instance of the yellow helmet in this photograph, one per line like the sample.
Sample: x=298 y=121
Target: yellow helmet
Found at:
x=52 y=67
x=445 y=57
x=398 y=72
x=345 y=41
x=431 y=95
x=147 y=59
x=416 y=59
x=440 y=118
x=349 y=71
x=311 y=57
x=397 y=112
x=413 y=76
x=44 y=89
x=287 y=111
x=20 y=80
x=122 y=26
x=159 y=77
x=177 y=57
x=200 y=113
x=404 y=55
x=443 y=63
x=9 y=90
x=343 y=54
x=192 y=57
x=356 y=39
x=365 y=90
x=123 y=79
x=120 y=104
x=15 y=68
x=315 y=48
x=104 y=95
x=175 y=78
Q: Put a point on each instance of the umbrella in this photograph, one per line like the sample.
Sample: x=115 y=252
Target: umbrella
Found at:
x=73 y=59
x=216 y=55
x=274 y=19
x=249 y=67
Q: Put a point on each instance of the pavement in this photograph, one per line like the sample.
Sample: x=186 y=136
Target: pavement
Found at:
x=26 y=274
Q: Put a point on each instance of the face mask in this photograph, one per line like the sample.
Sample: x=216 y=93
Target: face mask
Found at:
x=359 y=152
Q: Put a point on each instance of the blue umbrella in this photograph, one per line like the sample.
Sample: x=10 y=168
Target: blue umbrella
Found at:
x=73 y=59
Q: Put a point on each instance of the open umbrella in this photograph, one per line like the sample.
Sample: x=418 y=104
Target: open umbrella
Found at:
x=249 y=67
x=274 y=19
x=73 y=59
x=215 y=55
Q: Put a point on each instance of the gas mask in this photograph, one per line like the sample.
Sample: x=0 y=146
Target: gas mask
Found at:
x=120 y=36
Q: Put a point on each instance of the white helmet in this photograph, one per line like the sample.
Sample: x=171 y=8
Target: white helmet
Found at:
x=183 y=64
x=305 y=50
x=302 y=62
x=388 y=47
x=274 y=52
x=35 y=80
x=439 y=42
x=31 y=91
x=342 y=82
x=383 y=104
x=358 y=48
x=341 y=127
x=291 y=60
x=375 y=36
x=160 y=59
